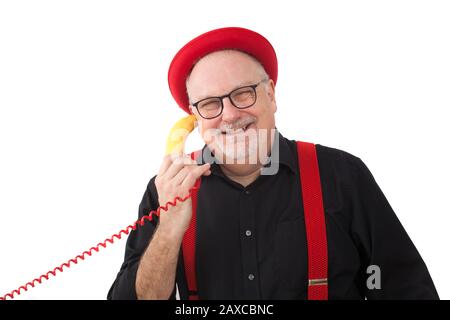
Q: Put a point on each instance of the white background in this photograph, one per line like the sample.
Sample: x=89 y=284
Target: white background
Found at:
x=85 y=108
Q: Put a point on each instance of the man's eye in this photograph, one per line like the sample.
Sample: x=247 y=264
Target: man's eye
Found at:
x=209 y=105
x=243 y=95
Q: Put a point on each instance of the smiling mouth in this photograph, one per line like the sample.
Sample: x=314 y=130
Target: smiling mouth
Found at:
x=237 y=131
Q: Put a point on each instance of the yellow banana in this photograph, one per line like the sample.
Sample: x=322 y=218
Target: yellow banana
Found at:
x=179 y=133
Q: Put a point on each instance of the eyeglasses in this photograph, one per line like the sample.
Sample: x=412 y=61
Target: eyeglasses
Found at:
x=241 y=98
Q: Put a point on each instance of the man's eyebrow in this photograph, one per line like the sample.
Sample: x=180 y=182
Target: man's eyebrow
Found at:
x=243 y=84
x=240 y=84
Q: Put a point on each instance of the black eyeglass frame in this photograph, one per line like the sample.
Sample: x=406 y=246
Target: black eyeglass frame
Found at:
x=220 y=98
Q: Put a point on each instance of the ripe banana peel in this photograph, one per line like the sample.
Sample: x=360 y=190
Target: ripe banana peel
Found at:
x=179 y=133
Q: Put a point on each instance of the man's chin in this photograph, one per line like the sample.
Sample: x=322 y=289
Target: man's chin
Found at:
x=240 y=153
x=244 y=148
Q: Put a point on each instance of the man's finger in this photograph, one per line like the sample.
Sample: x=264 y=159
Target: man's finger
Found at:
x=167 y=161
x=195 y=174
x=181 y=175
x=183 y=159
x=177 y=165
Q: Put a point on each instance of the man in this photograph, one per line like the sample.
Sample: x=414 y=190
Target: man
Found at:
x=251 y=241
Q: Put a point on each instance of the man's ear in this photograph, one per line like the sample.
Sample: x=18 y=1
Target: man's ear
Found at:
x=270 y=88
x=193 y=111
x=197 y=116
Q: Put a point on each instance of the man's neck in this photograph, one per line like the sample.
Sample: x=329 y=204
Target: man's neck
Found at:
x=244 y=174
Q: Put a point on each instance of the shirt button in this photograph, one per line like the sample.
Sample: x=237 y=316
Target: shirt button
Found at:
x=251 y=277
x=247 y=192
x=248 y=233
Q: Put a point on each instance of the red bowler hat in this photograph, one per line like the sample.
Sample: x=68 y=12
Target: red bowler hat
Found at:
x=240 y=39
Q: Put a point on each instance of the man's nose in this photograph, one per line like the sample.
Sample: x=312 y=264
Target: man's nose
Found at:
x=230 y=112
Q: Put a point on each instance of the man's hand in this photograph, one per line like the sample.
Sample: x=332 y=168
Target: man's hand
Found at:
x=176 y=177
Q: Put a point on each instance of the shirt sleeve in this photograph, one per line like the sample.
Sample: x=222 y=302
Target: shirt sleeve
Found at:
x=384 y=243
x=124 y=287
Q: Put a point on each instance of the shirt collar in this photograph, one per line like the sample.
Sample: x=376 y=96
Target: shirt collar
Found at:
x=287 y=153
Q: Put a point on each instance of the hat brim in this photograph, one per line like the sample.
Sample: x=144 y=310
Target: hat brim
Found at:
x=236 y=38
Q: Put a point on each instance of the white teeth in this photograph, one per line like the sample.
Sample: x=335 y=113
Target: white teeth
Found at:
x=236 y=131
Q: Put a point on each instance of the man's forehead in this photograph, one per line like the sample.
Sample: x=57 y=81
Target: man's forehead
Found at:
x=228 y=55
x=222 y=71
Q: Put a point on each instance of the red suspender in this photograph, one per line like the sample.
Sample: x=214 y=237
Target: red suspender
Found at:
x=316 y=235
x=188 y=244
x=314 y=222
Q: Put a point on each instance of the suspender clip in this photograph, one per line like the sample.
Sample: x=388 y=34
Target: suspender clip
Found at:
x=318 y=282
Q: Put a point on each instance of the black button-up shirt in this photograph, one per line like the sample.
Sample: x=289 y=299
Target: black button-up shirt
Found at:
x=251 y=241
